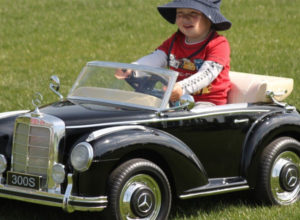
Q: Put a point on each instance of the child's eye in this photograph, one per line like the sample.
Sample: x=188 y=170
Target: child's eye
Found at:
x=194 y=14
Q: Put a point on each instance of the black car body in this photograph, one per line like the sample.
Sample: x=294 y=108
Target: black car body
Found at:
x=131 y=150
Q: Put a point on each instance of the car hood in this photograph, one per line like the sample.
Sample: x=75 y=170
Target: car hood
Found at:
x=80 y=114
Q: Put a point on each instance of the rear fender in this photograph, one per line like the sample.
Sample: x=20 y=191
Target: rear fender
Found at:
x=265 y=130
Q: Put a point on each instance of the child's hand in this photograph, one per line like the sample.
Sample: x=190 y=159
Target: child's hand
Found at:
x=176 y=93
x=123 y=73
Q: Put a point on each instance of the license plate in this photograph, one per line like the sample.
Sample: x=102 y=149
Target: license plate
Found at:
x=23 y=180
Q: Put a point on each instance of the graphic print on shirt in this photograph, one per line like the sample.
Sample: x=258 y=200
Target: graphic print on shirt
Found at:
x=205 y=90
x=185 y=64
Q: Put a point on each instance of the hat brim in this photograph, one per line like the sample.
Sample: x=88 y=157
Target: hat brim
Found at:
x=220 y=23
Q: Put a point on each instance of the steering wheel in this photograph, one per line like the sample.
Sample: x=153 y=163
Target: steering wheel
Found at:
x=146 y=84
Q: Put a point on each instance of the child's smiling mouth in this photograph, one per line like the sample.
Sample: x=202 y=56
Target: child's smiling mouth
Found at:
x=187 y=26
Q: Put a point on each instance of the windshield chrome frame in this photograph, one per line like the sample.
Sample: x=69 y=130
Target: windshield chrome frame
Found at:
x=154 y=70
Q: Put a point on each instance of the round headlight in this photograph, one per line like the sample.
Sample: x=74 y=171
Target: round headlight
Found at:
x=3 y=163
x=58 y=173
x=82 y=156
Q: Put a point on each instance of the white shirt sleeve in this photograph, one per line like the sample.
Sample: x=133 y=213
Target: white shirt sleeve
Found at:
x=156 y=59
x=207 y=73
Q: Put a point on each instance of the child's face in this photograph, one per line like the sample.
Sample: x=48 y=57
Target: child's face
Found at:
x=193 y=24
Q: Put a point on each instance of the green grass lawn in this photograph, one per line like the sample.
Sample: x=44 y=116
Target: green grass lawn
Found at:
x=39 y=38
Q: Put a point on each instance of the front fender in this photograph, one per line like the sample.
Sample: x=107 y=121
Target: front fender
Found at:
x=265 y=130
x=186 y=170
x=7 y=123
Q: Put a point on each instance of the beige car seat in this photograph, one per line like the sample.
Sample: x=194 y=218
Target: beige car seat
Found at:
x=253 y=88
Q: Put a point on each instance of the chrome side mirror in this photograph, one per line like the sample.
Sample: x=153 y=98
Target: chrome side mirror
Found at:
x=187 y=101
x=55 y=85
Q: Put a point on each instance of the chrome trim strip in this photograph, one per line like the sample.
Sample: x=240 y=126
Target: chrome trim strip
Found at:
x=67 y=195
x=238 y=121
x=68 y=202
x=155 y=120
x=214 y=192
x=105 y=131
x=12 y=113
x=227 y=107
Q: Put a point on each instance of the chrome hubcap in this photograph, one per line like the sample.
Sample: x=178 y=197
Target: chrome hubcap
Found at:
x=289 y=177
x=285 y=178
x=140 y=198
x=142 y=201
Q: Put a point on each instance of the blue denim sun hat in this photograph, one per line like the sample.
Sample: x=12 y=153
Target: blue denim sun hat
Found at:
x=210 y=8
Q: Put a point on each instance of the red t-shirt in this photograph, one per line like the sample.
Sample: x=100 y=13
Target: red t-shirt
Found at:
x=216 y=50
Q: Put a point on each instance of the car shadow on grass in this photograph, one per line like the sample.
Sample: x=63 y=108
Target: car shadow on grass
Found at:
x=182 y=209
x=17 y=210
x=185 y=209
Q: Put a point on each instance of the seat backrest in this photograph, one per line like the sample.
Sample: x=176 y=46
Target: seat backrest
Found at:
x=251 y=88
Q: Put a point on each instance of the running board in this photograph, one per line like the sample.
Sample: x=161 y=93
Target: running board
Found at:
x=217 y=186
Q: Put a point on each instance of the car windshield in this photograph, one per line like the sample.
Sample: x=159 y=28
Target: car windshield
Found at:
x=144 y=87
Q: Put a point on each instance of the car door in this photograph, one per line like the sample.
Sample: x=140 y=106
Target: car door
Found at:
x=216 y=137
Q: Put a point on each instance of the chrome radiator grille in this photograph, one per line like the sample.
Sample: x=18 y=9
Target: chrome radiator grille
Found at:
x=36 y=142
x=31 y=149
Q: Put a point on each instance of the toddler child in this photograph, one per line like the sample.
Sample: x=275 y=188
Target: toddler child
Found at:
x=196 y=51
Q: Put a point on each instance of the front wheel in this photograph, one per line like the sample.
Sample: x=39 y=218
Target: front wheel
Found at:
x=279 y=179
x=139 y=189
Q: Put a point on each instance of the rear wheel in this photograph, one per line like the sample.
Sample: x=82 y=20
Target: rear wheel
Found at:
x=279 y=177
x=139 y=189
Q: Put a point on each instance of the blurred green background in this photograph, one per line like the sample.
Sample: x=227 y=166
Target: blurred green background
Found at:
x=39 y=38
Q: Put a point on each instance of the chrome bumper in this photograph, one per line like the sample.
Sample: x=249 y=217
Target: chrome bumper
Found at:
x=66 y=201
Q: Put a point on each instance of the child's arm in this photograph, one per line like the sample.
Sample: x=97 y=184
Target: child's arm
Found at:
x=156 y=59
x=208 y=72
